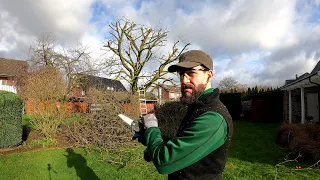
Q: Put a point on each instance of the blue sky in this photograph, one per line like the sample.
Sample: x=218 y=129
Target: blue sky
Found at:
x=256 y=42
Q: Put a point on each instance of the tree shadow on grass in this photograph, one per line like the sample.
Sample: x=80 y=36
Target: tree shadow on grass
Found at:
x=80 y=164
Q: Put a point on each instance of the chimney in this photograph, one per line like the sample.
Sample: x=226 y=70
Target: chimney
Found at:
x=296 y=76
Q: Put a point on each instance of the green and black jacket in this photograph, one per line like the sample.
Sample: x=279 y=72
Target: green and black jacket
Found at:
x=200 y=149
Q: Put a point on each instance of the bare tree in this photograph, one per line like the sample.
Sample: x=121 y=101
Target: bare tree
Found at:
x=133 y=47
x=228 y=83
x=74 y=62
x=43 y=51
x=71 y=60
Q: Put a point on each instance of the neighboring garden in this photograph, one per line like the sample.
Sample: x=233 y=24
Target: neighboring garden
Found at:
x=253 y=155
x=57 y=144
x=53 y=142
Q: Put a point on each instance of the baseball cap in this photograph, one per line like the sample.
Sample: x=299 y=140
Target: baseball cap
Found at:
x=192 y=59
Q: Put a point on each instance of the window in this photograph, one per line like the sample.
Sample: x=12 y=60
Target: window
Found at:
x=3 y=82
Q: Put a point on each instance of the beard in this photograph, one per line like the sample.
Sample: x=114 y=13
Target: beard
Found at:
x=187 y=97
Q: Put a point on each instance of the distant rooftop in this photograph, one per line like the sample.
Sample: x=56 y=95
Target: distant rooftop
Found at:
x=12 y=67
x=316 y=68
x=169 y=88
x=101 y=82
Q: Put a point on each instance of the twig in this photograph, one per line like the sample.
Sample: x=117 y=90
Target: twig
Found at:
x=289 y=160
x=315 y=164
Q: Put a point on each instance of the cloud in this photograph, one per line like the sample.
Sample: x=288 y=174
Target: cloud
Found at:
x=21 y=22
x=257 y=42
x=237 y=29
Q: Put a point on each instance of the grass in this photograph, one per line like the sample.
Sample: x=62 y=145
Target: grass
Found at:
x=63 y=164
x=253 y=155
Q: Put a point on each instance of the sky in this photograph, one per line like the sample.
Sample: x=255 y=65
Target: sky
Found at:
x=260 y=42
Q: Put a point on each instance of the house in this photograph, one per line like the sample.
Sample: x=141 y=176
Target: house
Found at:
x=90 y=81
x=166 y=93
x=10 y=71
x=301 y=99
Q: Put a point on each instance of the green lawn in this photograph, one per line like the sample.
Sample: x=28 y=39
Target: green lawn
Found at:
x=60 y=164
x=253 y=155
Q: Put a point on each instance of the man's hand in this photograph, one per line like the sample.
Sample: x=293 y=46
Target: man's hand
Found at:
x=150 y=120
x=140 y=137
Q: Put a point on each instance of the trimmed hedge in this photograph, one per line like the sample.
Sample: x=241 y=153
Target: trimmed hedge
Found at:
x=233 y=103
x=11 y=107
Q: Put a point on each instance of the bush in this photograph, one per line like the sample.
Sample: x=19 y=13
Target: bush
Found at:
x=286 y=133
x=170 y=115
x=300 y=140
x=233 y=103
x=44 y=90
x=11 y=107
x=103 y=129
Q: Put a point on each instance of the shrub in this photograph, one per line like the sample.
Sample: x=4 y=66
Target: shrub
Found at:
x=233 y=103
x=300 y=140
x=286 y=133
x=103 y=129
x=45 y=90
x=10 y=119
x=42 y=85
x=170 y=115
x=44 y=142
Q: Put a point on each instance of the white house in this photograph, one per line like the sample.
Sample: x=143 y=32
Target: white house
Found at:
x=10 y=71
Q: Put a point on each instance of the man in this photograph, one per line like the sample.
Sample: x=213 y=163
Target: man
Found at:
x=200 y=149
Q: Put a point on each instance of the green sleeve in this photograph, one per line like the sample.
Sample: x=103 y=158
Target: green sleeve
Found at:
x=204 y=135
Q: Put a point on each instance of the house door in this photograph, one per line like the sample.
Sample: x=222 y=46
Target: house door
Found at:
x=313 y=106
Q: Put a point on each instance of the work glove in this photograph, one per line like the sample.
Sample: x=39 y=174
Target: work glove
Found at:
x=150 y=120
x=140 y=137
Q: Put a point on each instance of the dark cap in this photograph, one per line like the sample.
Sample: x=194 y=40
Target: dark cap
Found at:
x=192 y=59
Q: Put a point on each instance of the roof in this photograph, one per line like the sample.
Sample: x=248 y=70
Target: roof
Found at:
x=316 y=68
x=289 y=81
x=308 y=80
x=305 y=80
x=150 y=97
x=101 y=83
x=12 y=67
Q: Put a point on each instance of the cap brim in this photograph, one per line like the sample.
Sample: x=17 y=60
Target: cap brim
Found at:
x=182 y=65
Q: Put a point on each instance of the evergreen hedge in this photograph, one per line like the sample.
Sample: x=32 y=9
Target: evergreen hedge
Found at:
x=233 y=103
x=11 y=107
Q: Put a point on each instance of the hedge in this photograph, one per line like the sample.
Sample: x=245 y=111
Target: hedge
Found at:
x=300 y=139
x=11 y=107
x=233 y=103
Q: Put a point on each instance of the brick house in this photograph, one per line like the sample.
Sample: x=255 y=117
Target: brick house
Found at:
x=10 y=71
x=301 y=98
x=166 y=93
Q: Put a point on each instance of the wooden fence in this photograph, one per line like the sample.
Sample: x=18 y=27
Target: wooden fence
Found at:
x=75 y=107
x=71 y=107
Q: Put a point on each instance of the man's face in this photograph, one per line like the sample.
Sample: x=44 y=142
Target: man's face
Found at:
x=193 y=83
